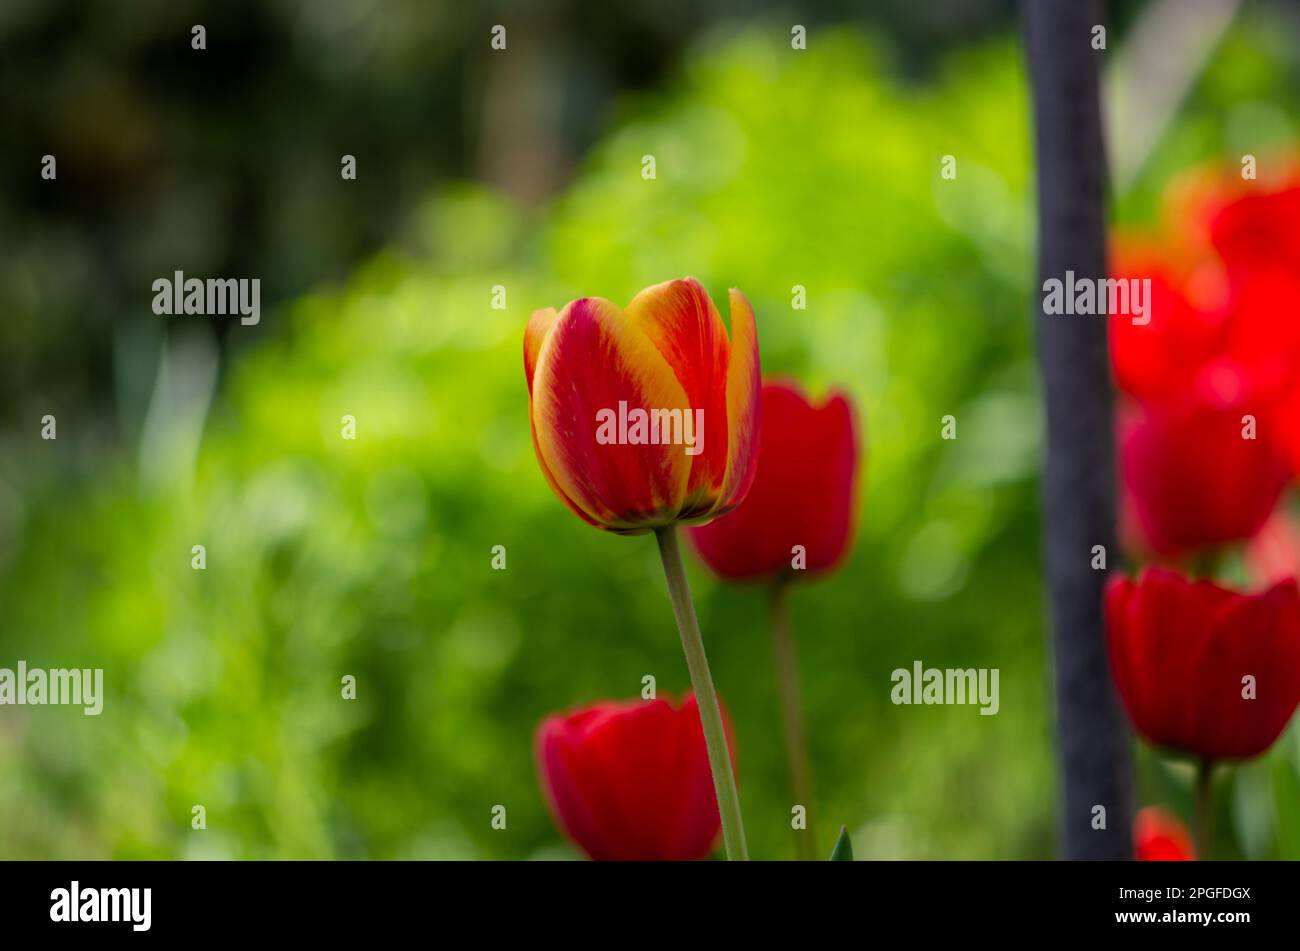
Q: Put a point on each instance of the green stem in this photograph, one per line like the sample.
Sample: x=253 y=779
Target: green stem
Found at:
x=796 y=744
x=706 y=698
x=1204 y=807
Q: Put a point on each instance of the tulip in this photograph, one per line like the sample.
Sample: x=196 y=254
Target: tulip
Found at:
x=1204 y=670
x=1258 y=229
x=1225 y=278
x=804 y=493
x=1187 y=325
x=644 y=417
x=1181 y=651
x=1287 y=421
x=630 y=781
x=1160 y=837
x=668 y=351
x=796 y=521
x=1191 y=479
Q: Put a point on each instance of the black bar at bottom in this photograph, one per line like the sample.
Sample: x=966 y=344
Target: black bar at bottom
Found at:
x=337 y=900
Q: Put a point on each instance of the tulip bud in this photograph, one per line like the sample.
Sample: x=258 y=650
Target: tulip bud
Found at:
x=631 y=781
x=1192 y=479
x=647 y=415
x=804 y=494
x=1202 y=669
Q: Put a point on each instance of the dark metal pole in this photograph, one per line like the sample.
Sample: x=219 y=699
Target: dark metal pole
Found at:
x=1079 y=480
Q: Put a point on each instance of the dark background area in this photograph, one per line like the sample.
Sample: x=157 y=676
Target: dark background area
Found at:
x=226 y=161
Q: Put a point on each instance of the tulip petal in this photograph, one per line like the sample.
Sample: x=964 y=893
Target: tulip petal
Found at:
x=550 y=479
x=1120 y=643
x=744 y=384
x=1192 y=481
x=593 y=359
x=681 y=320
x=1182 y=612
x=804 y=492
x=1257 y=636
x=559 y=765
x=1180 y=651
x=539 y=327
x=835 y=427
x=631 y=781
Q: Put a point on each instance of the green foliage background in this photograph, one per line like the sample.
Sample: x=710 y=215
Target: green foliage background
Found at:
x=328 y=557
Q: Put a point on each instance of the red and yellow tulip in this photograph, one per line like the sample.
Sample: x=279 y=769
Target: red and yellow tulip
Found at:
x=667 y=350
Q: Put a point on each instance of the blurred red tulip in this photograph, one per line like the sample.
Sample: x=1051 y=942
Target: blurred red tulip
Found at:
x=1225 y=282
x=1286 y=422
x=1201 y=669
x=1159 y=836
x=1191 y=480
x=804 y=493
x=593 y=368
x=1187 y=324
x=1259 y=228
x=630 y=781
x=1214 y=333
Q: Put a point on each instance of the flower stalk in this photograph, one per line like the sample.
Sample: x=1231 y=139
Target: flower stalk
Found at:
x=798 y=764
x=715 y=737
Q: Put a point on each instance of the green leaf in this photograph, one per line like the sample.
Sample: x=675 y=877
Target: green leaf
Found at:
x=843 y=851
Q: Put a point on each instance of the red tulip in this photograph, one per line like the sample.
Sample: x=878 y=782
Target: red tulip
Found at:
x=1225 y=282
x=630 y=781
x=648 y=415
x=1248 y=224
x=1191 y=480
x=1258 y=228
x=1214 y=333
x=1201 y=669
x=1186 y=325
x=805 y=491
x=1286 y=420
x=1160 y=837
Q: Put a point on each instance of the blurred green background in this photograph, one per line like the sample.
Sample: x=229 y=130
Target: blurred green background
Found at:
x=328 y=557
